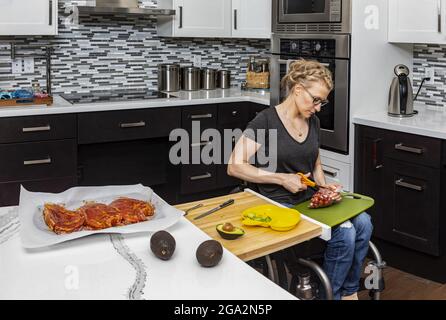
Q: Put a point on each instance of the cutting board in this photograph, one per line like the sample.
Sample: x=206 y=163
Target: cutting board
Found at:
x=338 y=213
x=257 y=241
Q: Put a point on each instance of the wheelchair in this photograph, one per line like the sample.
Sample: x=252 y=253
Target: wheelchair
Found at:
x=296 y=266
x=304 y=261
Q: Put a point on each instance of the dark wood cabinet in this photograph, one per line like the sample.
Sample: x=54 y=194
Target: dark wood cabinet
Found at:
x=37 y=128
x=37 y=160
x=128 y=147
x=411 y=202
x=401 y=172
x=369 y=171
x=52 y=153
x=127 y=125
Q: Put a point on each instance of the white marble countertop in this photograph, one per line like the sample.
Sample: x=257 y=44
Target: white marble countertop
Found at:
x=182 y=98
x=430 y=121
x=123 y=267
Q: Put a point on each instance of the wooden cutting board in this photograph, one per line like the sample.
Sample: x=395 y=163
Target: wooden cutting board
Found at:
x=26 y=102
x=257 y=241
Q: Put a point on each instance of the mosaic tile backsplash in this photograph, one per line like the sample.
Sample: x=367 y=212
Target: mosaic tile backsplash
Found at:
x=430 y=56
x=120 y=52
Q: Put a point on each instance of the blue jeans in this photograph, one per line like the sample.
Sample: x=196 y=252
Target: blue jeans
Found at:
x=345 y=253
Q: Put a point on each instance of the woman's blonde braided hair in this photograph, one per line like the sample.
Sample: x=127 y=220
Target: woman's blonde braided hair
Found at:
x=303 y=71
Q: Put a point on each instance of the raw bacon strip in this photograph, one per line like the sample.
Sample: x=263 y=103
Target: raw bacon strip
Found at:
x=100 y=216
x=60 y=220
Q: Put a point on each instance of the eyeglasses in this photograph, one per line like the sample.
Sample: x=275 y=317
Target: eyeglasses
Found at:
x=316 y=100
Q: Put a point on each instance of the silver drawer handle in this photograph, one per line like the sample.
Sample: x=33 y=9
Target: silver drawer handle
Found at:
x=411 y=186
x=332 y=174
x=202 y=177
x=36 y=129
x=133 y=125
x=402 y=147
x=200 y=144
x=234 y=113
x=201 y=116
x=35 y=162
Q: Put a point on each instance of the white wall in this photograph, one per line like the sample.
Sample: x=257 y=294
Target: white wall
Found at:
x=372 y=62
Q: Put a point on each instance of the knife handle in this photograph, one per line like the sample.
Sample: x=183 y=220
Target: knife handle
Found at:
x=227 y=203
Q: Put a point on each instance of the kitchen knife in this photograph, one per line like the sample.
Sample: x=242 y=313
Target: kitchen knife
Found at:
x=221 y=206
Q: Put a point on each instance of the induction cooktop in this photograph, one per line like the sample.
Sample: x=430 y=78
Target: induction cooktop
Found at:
x=114 y=96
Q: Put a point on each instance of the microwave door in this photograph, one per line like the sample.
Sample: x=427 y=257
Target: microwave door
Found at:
x=304 y=11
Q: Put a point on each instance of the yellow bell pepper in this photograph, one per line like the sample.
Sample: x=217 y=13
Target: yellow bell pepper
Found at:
x=274 y=217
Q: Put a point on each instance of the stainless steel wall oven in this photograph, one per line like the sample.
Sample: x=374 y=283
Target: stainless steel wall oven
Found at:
x=334 y=52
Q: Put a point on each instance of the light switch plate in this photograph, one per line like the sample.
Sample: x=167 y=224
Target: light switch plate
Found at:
x=28 y=65
x=429 y=73
x=17 y=66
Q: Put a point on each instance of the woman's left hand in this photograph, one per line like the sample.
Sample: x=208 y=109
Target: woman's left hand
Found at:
x=336 y=187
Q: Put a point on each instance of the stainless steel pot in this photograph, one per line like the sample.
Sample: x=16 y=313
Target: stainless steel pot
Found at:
x=168 y=77
x=224 y=79
x=190 y=78
x=208 y=79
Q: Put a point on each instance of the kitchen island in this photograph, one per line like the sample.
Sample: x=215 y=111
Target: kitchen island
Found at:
x=123 y=267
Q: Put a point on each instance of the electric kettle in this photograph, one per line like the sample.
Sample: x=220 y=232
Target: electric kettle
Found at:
x=401 y=94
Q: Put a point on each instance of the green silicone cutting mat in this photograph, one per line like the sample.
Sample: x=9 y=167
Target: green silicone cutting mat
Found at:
x=337 y=213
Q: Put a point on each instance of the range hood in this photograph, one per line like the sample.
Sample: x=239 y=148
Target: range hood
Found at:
x=122 y=7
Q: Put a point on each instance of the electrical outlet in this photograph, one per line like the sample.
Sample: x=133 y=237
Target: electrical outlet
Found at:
x=197 y=61
x=429 y=73
x=28 y=65
x=17 y=66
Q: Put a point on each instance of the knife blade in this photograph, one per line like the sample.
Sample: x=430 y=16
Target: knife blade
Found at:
x=221 y=206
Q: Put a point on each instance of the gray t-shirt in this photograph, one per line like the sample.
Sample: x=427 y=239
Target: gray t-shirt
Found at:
x=292 y=156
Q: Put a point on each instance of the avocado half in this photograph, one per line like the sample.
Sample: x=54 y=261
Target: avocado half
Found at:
x=230 y=235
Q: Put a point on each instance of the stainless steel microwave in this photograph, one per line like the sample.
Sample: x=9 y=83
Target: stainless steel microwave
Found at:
x=312 y=16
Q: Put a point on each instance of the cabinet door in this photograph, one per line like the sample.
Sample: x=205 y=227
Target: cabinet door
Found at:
x=411 y=206
x=251 y=18
x=202 y=18
x=28 y=17
x=417 y=21
x=369 y=175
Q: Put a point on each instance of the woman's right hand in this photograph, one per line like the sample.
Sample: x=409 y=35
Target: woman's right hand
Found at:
x=292 y=182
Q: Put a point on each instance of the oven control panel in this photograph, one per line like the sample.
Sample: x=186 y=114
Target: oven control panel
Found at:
x=309 y=47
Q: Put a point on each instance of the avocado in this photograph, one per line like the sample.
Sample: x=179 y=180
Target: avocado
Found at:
x=162 y=244
x=209 y=253
x=229 y=232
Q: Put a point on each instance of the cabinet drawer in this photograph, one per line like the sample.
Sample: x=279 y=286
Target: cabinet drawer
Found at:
x=233 y=113
x=205 y=115
x=38 y=160
x=127 y=125
x=10 y=192
x=336 y=172
x=37 y=128
x=413 y=148
x=198 y=178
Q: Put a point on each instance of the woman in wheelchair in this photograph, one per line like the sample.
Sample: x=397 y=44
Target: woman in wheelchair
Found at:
x=288 y=136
